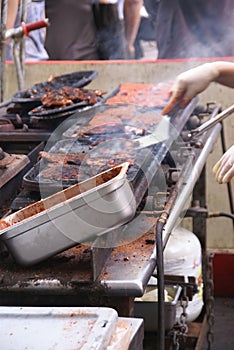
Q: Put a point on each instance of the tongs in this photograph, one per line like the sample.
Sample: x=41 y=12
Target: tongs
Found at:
x=212 y=122
x=164 y=130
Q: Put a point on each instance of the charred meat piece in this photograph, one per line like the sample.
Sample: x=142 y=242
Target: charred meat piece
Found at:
x=146 y=119
x=61 y=172
x=99 y=165
x=101 y=119
x=114 y=116
x=144 y=95
x=101 y=130
x=70 y=173
x=55 y=99
x=69 y=95
x=61 y=158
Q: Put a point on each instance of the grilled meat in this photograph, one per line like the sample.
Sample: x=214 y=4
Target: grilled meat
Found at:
x=55 y=99
x=144 y=95
x=147 y=119
x=60 y=172
x=69 y=95
x=61 y=158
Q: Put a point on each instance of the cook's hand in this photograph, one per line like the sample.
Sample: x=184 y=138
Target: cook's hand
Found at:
x=224 y=168
x=189 y=84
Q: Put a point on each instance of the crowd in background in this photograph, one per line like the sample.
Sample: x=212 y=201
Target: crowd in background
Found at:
x=115 y=29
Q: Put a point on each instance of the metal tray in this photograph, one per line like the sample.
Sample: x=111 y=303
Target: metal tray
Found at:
x=41 y=111
x=57 y=328
x=75 y=79
x=77 y=214
x=147 y=307
x=33 y=181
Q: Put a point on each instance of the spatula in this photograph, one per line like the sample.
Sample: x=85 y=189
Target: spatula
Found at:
x=161 y=133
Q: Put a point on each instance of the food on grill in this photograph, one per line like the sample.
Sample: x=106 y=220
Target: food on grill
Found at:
x=111 y=153
x=101 y=133
x=146 y=119
x=134 y=130
x=101 y=130
x=74 y=173
x=114 y=116
x=74 y=79
x=61 y=158
x=109 y=134
x=105 y=118
x=144 y=95
x=69 y=95
x=103 y=164
x=62 y=172
x=35 y=92
x=55 y=99
x=80 y=166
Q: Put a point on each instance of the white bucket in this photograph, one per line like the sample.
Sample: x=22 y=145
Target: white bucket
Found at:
x=183 y=257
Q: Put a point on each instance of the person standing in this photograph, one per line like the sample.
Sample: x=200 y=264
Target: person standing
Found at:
x=132 y=20
x=117 y=23
x=71 y=34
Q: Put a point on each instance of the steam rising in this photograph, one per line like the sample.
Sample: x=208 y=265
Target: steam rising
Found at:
x=195 y=29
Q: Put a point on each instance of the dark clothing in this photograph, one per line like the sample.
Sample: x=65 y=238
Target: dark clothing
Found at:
x=71 y=34
x=195 y=28
x=110 y=32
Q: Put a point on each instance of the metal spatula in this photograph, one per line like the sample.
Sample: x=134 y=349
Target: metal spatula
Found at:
x=161 y=133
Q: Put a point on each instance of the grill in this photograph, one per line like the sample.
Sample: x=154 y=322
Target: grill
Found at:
x=115 y=267
x=26 y=115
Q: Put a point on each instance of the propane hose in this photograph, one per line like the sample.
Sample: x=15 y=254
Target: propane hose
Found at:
x=221 y=213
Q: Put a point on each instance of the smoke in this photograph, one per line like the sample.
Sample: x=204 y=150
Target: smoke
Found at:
x=194 y=29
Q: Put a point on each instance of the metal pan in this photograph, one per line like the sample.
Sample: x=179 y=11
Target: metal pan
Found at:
x=33 y=180
x=34 y=93
x=41 y=111
x=77 y=214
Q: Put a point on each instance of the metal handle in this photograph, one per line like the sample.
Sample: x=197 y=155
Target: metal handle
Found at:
x=24 y=29
x=212 y=122
x=28 y=27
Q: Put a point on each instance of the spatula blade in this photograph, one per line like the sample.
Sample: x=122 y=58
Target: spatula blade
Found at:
x=160 y=134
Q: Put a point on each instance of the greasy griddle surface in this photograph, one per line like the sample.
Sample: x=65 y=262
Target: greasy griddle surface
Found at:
x=74 y=265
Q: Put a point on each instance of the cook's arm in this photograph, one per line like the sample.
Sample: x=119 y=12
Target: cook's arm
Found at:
x=194 y=81
x=131 y=23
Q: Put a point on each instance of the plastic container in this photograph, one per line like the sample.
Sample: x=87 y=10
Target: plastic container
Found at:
x=57 y=328
x=146 y=307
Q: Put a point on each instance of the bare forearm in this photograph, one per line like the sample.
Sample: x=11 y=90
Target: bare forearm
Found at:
x=225 y=73
x=132 y=19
